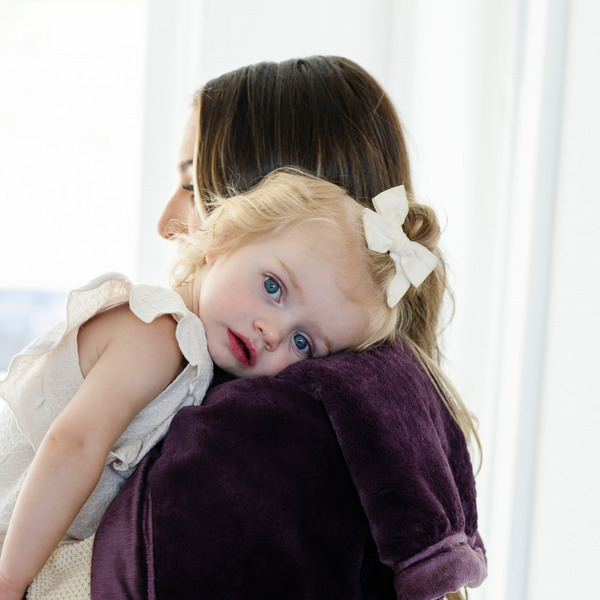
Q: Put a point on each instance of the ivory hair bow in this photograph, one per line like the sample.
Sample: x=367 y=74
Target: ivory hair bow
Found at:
x=384 y=233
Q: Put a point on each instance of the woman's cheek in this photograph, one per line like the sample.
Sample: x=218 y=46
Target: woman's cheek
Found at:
x=193 y=219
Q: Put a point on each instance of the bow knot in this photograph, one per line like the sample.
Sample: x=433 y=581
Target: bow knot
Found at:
x=384 y=233
x=400 y=244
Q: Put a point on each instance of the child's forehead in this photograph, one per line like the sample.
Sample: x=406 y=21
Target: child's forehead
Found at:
x=315 y=254
x=306 y=240
x=314 y=245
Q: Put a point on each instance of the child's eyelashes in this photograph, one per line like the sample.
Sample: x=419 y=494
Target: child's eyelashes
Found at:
x=303 y=344
x=272 y=287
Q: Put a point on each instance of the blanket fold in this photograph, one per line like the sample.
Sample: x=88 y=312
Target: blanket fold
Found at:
x=410 y=464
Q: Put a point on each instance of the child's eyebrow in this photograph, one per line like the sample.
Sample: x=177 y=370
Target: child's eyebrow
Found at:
x=290 y=274
x=184 y=164
x=298 y=290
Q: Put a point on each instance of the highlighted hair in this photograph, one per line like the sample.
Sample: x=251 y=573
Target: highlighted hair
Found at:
x=284 y=201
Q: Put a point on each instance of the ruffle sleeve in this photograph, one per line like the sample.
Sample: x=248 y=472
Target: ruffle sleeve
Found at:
x=44 y=377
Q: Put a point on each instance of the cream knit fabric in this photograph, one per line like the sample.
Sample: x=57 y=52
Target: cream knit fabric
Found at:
x=66 y=575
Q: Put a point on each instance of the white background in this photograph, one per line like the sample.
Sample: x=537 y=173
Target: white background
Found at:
x=500 y=99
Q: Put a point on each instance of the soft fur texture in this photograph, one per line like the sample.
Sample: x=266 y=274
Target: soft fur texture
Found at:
x=340 y=478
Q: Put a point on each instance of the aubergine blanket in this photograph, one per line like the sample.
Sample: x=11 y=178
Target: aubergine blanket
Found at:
x=342 y=477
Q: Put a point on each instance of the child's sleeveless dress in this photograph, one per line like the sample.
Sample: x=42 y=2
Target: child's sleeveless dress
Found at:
x=43 y=378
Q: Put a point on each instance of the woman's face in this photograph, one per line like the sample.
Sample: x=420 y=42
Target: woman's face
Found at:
x=181 y=214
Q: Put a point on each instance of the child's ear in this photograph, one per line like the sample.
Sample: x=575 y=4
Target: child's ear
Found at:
x=211 y=259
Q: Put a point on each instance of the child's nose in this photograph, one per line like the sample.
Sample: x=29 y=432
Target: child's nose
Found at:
x=271 y=333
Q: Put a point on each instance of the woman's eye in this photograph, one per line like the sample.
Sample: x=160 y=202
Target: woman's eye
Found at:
x=301 y=343
x=272 y=288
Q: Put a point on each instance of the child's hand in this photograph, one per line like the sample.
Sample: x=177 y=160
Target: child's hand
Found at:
x=8 y=590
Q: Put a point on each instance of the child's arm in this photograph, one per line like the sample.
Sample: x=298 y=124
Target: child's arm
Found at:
x=132 y=364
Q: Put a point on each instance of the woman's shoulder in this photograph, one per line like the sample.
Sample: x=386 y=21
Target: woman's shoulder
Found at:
x=386 y=367
x=375 y=413
x=386 y=374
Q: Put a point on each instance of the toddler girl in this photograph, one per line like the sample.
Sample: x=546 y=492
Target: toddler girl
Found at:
x=291 y=270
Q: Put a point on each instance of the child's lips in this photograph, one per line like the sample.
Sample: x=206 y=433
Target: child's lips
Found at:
x=242 y=348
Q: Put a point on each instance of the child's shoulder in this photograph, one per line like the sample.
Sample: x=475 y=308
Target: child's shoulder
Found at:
x=121 y=322
x=119 y=326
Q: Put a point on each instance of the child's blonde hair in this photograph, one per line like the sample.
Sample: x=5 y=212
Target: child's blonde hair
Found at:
x=290 y=198
x=284 y=201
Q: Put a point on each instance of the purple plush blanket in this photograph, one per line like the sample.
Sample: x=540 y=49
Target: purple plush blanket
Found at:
x=340 y=478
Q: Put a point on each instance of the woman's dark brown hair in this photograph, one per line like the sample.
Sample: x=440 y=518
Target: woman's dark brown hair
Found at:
x=324 y=114
x=328 y=116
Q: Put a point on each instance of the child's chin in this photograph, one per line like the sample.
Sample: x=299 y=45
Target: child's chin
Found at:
x=235 y=371
x=239 y=372
x=242 y=373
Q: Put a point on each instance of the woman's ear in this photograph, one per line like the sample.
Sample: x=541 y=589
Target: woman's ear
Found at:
x=211 y=259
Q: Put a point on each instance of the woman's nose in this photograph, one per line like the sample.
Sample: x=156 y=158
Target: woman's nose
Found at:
x=180 y=215
x=172 y=221
x=271 y=332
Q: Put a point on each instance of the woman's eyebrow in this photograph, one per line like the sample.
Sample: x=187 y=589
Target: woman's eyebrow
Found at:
x=184 y=164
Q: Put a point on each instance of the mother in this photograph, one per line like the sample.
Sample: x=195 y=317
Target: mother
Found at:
x=340 y=478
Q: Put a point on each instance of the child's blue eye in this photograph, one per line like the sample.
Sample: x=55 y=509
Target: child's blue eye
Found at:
x=301 y=343
x=272 y=288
